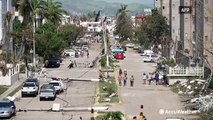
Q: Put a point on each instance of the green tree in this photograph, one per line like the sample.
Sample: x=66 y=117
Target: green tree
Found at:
x=152 y=30
x=53 y=11
x=69 y=33
x=124 y=26
x=49 y=44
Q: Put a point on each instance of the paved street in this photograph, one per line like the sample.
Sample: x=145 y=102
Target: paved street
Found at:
x=152 y=97
x=78 y=94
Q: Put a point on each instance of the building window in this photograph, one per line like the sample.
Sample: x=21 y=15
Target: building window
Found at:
x=186 y=19
x=163 y=7
x=173 y=5
x=173 y=18
x=206 y=38
x=206 y=19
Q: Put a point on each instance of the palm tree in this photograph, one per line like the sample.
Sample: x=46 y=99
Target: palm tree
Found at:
x=122 y=10
x=111 y=116
x=53 y=11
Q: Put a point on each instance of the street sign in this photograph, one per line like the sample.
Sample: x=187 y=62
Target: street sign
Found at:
x=185 y=9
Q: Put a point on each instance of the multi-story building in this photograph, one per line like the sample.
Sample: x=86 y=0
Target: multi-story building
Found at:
x=5 y=6
x=190 y=27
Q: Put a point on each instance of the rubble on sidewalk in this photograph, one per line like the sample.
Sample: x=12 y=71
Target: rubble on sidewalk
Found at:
x=190 y=93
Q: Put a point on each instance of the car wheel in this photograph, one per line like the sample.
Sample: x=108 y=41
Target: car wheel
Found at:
x=41 y=99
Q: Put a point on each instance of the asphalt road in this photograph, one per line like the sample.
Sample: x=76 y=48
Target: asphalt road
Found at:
x=77 y=94
x=156 y=99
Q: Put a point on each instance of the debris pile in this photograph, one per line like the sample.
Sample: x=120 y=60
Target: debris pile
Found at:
x=190 y=92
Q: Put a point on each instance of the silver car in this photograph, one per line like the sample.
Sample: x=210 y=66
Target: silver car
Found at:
x=7 y=108
x=47 y=91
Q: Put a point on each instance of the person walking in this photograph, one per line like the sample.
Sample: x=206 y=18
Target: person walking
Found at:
x=125 y=72
x=149 y=78
x=120 y=80
x=125 y=80
x=157 y=78
x=120 y=71
x=144 y=78
x=131 y=80
x=87 y=53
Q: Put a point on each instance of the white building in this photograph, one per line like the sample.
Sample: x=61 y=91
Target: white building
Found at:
x=92 y=26
x=5 y=5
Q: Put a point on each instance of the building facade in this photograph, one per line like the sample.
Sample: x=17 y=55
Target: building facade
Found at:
x=191 y=28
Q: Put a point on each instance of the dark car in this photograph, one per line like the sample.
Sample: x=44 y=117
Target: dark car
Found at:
x=7 y=108
x=34 y=80
x=124 y=48
x=53 y=62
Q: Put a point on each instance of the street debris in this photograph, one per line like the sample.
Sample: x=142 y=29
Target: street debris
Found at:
x=190 y=93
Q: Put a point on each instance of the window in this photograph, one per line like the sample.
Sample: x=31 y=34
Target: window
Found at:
x=173 y=5
x=206 y=19
x=186 y=19
x=163 y=7
x=173 y=18
x=206 y=38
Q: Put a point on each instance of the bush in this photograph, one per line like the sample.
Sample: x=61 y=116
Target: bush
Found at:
x=169 y=62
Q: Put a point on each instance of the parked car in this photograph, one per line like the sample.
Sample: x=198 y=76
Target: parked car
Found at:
x=69 y=52
x=119 y=55
x=130 y=45
x=147 y=52
x=124 y=48
x=147 y=58
x=59 y=86
x=7 y=108
x=84 y=47
x=47 y=91
x=29 y=88
x=34 y=80
x=53 y=62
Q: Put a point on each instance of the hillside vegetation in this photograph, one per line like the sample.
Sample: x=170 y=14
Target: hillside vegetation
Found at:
x=86 y=6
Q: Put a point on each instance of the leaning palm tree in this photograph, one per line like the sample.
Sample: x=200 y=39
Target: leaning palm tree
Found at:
x=111 y=116
x=53 y=11
x=122 y=10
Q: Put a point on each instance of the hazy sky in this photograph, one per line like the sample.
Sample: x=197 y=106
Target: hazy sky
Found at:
x=145 y=2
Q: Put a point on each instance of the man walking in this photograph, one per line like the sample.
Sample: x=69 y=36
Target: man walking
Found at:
x=131 y=81
x=125 y=79
x=157 y=78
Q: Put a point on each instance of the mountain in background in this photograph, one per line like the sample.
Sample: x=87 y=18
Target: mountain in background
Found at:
x=108 y=8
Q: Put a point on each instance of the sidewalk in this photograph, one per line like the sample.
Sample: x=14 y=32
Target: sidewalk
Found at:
x=13 y=87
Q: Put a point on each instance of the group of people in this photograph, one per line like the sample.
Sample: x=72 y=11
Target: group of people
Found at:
x=151 y=77
x=147 y=78
x=122 y=78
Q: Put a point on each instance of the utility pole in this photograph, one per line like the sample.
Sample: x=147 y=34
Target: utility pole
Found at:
x=105 y=43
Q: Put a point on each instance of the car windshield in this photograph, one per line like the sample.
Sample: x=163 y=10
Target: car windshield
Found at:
x=4 y=104
x=54 y=83
x=28 y=85
x=31 y=80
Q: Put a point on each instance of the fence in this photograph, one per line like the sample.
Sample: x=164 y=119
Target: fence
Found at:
x=12 y=75
x=196 y=71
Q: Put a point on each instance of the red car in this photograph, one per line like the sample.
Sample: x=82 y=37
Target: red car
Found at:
x=119 y=56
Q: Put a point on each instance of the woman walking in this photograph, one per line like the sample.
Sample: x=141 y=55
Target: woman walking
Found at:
x=131 y=81
x=120 y=72
x=144 y=78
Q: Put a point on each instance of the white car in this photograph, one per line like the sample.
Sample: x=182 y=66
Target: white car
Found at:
x=130 y=45
x=29 y=88
x=69 y=52
x=147 y=52
x=84 y=47
x=59 y=86
x=147 y=58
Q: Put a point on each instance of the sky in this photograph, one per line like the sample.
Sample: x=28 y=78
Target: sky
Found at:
x=145 y=2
